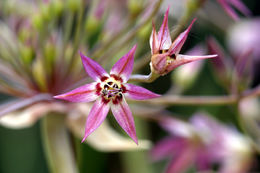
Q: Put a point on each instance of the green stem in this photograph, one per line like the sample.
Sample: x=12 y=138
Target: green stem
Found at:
x=57 y=146
x=194 y=100
x=137 y=161
x=144 y=78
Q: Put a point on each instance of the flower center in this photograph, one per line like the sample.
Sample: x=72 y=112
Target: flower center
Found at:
x=111 y=89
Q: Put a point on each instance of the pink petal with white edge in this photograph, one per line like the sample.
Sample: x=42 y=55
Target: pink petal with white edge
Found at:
x=164 y=35
x=85 y=93
x=138 y=93
x=93 y=69
x=184 y=59
x=124 y=66
x=180 y=40
x=123 y=116
x=96 y=116
x=154 y=43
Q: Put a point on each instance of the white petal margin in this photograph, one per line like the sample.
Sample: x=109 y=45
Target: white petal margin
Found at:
x=104 y=138
x=27 y=117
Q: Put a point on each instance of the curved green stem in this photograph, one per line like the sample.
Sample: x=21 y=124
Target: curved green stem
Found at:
x=144 y=78
x=57 y=146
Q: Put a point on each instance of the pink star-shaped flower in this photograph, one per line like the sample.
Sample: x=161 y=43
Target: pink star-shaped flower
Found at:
x=109 y=90
x=165 y=53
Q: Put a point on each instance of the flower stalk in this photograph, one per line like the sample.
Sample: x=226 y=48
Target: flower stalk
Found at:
x=57 y=145
x=144 y=78
x=204 y=100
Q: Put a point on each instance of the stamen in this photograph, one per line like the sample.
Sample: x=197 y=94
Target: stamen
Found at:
x=115 y=86
x=173 y=56
x=106 y=86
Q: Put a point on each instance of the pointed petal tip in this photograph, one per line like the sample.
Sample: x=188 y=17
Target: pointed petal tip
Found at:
x=134 y=138
x=167 y=11
x=124 y=66
x=134 y=48
x=212 y=56
x=55 y=97
x=191 y=24
x=82 y=141
x=79 y=52
x=58 y=96
x=136 y=141
x=82 y=55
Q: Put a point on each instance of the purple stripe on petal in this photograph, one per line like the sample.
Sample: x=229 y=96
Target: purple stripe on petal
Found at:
x=123 y=116
x=138 y=93
x=124 y=66
x=93 y=69
x=184 y=59
x=164 y=35
x=180 y=40
x=96 y=116
x=85 y=93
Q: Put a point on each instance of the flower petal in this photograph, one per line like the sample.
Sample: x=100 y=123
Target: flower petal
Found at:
x=241 y=7
x=203 y=160
x=124 y=66
x=85 y=93
x=123 y=115
x=159 y=62
x=177 y=127
x=138 y=93
x=164 y=35
x=229 y=10
x=105 y=138
x=180 y=40
x=167 y=147
x=220 y=63
x=27 y=117
x=182 y=161
x=96 y=116
x=154 y=42
x=93 y=69
x=184 y=59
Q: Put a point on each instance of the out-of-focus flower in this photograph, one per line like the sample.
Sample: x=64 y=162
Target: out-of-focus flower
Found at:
x=250 y=40
x=233 y=70
x=249 y=113
x=222 y=64
x=203 y=142
x=109 y=91
x=165 y=53
x=228 y=7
